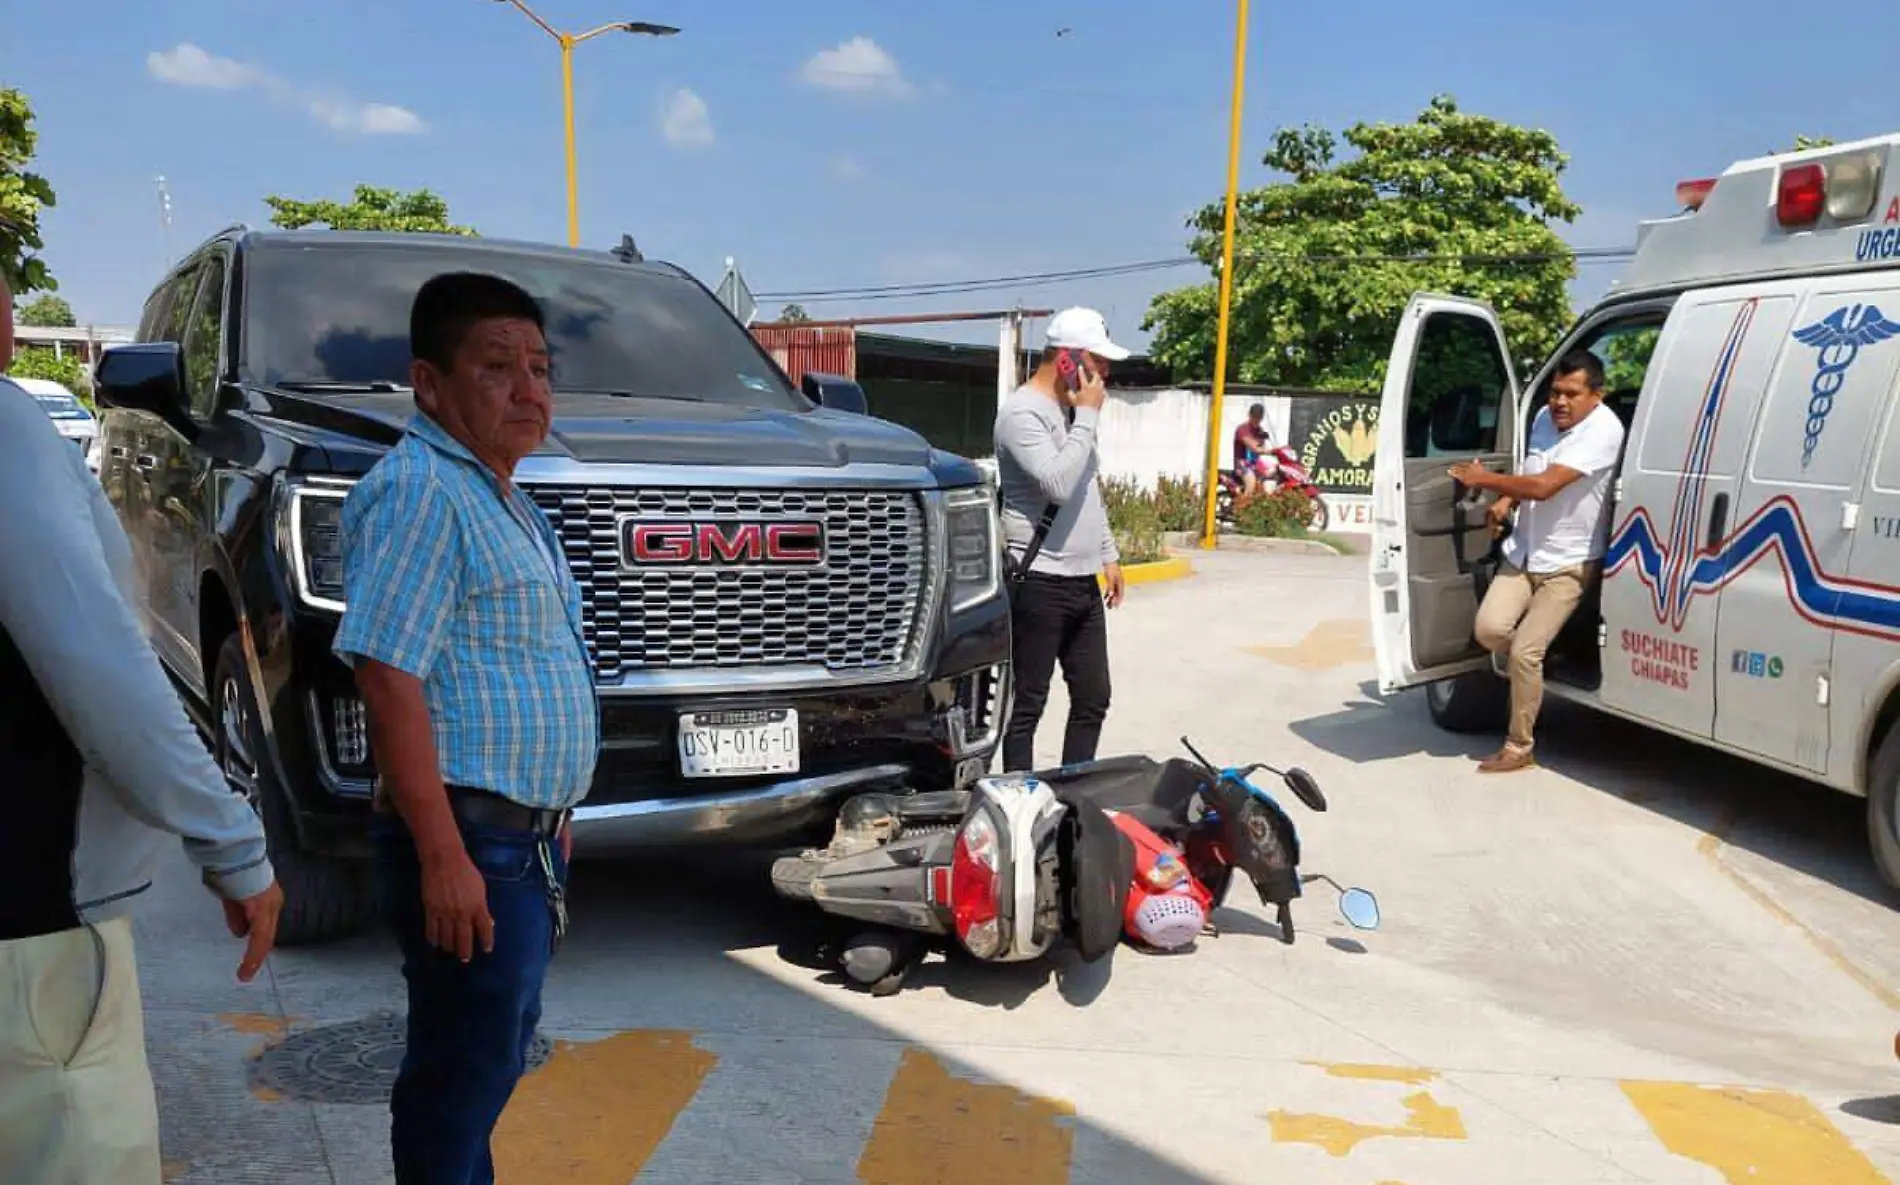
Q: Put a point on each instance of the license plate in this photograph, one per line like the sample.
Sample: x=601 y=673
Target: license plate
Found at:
x=738 y=744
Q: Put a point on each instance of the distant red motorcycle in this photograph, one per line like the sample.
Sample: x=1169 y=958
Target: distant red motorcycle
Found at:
x=1291 y=475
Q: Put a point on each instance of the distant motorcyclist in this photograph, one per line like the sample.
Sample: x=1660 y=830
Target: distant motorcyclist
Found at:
x=1254 y=464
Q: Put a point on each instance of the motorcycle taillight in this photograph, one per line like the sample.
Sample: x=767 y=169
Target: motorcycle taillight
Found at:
x=976 y=887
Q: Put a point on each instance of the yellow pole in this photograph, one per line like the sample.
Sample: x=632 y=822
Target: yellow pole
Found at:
x=1226 y=282
x=573 y=170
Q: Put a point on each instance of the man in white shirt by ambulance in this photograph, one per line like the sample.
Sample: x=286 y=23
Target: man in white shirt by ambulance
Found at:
x=1556 y=549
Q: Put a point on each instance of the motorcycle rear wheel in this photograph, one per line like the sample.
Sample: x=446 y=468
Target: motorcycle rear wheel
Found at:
x=1322 y=515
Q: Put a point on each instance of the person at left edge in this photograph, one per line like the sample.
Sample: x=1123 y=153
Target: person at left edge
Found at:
x=464 y=628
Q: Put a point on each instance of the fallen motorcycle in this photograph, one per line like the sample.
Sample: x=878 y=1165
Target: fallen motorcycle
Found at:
x=1018 y=865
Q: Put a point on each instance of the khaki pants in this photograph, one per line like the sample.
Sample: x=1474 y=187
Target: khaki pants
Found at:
x=76 y=1100
x=1522 y=613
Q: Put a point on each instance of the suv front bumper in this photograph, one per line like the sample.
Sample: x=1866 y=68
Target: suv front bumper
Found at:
x=923 y=736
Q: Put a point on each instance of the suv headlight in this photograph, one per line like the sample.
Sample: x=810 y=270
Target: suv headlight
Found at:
x=313 y=534
x=975 y=556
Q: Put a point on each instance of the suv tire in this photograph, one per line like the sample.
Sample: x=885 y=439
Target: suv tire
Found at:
x=1883 y=807
x=324 y=899
x=1479 y=701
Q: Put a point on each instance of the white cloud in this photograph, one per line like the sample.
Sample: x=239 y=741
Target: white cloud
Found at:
x=369 y=119
x=686 y=122
x=186 y=64
x=858 y=66
x=847 y=168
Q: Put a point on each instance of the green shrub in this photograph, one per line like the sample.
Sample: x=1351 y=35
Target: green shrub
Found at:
x=1138 y=535
x=1136 y=520
x=1283 y=514
x=38 y=362
x=1181 y=503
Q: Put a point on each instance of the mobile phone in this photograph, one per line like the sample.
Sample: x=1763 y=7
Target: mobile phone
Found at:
x=1072 y=367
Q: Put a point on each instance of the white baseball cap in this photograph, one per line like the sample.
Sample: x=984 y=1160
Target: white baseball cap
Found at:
x=1083 y=329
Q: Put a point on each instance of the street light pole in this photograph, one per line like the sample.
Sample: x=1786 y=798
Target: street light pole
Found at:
x=573 y=160
x=567 y=42
x=1226 y=281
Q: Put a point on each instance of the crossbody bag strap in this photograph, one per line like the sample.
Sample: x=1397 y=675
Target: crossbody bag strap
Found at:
x=1037 y=538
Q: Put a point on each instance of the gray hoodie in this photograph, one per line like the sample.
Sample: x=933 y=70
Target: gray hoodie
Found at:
x=98 y=748
x=1042 y=458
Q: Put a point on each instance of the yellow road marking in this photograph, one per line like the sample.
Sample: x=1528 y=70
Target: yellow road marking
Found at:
x=1173 y=568
x=1337 y=643
x=1711 y=845
x=1426 y=1119
x=257 y=1024
x=1751 y=1137
x=940 y=1129
x=596 y=1112
x=271 y=1028
x=1412 y=1075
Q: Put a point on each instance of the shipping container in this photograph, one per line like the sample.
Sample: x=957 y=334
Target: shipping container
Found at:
x=831 y=349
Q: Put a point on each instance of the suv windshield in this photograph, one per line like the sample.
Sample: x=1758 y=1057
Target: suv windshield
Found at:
x=322 y=313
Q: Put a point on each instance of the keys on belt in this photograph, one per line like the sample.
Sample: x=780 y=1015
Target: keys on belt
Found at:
x=557 y=896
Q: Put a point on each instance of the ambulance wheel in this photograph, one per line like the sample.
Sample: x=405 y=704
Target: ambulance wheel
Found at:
x=1474 y=702
x=1883 y=808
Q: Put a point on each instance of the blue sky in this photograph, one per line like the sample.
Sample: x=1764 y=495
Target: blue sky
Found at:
x=839 y=143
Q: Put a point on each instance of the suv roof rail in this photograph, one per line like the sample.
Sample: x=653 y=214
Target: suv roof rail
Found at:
x=235 y=228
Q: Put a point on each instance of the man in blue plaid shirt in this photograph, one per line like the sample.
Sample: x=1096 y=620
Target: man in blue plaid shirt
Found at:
x=464 y=628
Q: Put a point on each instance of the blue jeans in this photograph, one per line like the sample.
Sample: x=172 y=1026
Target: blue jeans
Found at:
x=469 y=1024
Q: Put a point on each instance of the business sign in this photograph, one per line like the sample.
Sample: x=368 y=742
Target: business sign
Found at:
x=1336 y=438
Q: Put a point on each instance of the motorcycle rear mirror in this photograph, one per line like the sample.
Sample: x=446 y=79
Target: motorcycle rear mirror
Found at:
x=1306 y=788
x=1360 y=908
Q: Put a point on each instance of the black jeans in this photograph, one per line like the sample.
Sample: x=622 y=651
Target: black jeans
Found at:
x=1058 y=618
x=470 y=1024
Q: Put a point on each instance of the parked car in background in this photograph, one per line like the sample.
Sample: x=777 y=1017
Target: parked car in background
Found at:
x=69 y=415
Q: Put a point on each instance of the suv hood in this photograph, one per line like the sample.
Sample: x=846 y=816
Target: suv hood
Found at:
x=611 y=430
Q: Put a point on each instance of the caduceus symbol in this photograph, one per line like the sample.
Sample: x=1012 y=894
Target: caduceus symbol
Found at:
x=1839 y=337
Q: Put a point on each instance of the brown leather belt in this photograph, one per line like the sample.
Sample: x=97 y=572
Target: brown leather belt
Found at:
x=484 y=808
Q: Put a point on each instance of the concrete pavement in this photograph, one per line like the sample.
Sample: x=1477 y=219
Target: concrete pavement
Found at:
x=1640 y=963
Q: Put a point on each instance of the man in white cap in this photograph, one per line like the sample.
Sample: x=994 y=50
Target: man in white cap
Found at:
x=1057 y=535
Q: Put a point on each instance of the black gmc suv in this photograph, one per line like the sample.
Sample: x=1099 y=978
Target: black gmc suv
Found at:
x=787 y=600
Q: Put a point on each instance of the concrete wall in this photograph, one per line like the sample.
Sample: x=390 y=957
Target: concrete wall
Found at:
x=1148 y=434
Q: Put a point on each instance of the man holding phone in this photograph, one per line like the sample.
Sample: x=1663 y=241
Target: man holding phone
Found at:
x=1056 y=531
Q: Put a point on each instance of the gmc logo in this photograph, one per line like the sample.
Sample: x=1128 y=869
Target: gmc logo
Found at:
x=668 y=543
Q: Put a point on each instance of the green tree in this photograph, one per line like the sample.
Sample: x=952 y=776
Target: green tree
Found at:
x=47 y=311
x=23 y=195
x=39 y=362
x=793 y=313
x=369 y=208
x=1327 y=259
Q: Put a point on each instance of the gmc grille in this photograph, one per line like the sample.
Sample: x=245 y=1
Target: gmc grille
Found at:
x=856 y=611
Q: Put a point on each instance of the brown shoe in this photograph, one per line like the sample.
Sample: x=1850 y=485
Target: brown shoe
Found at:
x=1506 y=761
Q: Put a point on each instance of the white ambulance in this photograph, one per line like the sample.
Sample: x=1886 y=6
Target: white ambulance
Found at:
x=1751 y=590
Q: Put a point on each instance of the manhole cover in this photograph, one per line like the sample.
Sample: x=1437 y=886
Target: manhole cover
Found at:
x=354 y=1062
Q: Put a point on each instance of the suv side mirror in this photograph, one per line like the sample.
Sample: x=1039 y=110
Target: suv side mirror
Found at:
x=835 y=392
x=148 y=377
